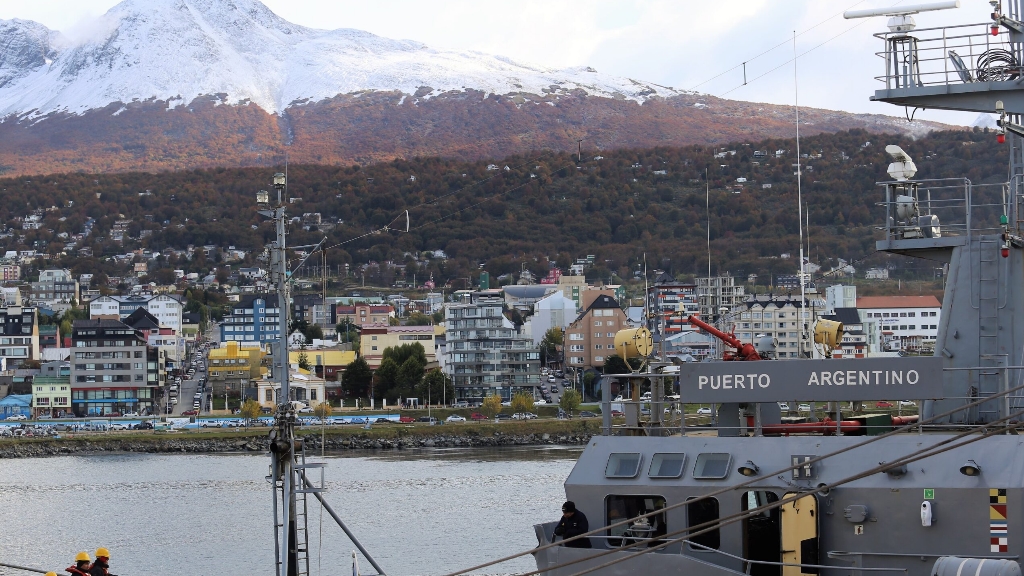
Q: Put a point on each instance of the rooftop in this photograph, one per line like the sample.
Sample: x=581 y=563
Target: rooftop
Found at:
x=898 y=302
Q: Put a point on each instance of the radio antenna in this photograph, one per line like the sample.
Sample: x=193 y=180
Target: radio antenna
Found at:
x=799 y=202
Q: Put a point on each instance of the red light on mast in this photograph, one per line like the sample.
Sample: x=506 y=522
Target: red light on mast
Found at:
x=1001 y=138
x=995 y=30
x=1005 y=252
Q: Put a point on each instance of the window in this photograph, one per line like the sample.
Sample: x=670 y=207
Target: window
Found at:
x=712 y=465
x=598 y=358
x=619 y=508
x=268 y=396
x=312 y=394
x=610 y=335
x=575 y=336
x=597 y=322
x=912 y=314
x=623 y=465
x=667 y=465
x=597 y=346
x=700 y=512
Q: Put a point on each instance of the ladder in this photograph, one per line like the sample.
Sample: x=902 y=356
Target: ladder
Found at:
x=988 y=279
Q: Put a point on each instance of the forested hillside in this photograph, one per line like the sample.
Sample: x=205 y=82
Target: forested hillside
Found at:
x=522 y=210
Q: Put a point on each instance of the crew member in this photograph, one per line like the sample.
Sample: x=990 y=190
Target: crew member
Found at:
x=82 y=565
x=102 y=563
x=573 y=523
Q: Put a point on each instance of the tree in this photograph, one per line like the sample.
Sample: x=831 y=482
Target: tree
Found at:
x=385 y=379
x=491 y=406
x=303 y=361
x=250 y=410
x=65 y=328
x=356 y=379
x=410 y=375
x=614 y=364
x=570 y=400
x=418 y=319
x=549 y=345
x=436 y=387
x=323 y=410
x=522 y=402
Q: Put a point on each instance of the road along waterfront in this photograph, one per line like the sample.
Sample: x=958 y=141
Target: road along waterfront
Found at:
x=418 y=511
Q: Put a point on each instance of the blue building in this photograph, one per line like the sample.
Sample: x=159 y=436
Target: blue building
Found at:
x=255 y=318
x=16 y=405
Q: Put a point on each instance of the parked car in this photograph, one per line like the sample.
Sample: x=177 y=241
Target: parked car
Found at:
x=540 y=401
x=551 y=379
x=377 y=421
x=192 y=412
x=524 y=416
x=554 y=388
x=429 y=419
x=17 y=417
x=907 y=404
x=118 y=426
x=406 y=419
x=883 y=404
x=147 y=425
x=804 y=408
x=476 y=416
x=131 y=414
x=306 y=410
x=455 y=418
x=704 y=411
x=501 y=417
x=783 y=406
x=617 y=414
x=587 y=414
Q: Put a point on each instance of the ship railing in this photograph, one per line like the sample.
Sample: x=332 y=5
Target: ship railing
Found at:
x=960 y=54
x=750 y=563
x=961 y=207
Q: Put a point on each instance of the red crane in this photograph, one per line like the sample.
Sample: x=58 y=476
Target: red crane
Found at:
x=743 y=351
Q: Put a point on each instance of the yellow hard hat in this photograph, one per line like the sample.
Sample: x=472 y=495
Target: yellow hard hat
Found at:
x=82 y=557
x=51 y=574
x=102 y=553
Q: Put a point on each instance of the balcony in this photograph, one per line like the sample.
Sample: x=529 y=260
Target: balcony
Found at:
x=959 y=67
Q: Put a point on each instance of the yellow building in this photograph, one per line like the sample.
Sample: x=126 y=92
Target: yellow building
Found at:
x=51 y=396
x=373 y=340
x=233 y=368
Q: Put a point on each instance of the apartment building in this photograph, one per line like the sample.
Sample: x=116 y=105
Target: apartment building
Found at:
x=488 y=354
x=784 y=317
x=671 y=303
x=112 y=369
x=905 y=322
x=51 y=396
x=254 y=318
x=166 y=308
x=364 y=314
x=717 y=295
x=54 y=287
x=590 y=339
x=314 y=310
x=19 y=340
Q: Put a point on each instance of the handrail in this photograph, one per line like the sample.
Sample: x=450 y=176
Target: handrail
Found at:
x=769 y=563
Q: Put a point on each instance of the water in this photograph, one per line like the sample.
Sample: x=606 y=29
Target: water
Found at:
x=417 y=512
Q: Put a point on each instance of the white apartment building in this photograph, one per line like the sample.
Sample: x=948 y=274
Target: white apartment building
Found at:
x=166 y=308
x=780 y=317
x=716 y=293
x=905 y=322
x=552 y=311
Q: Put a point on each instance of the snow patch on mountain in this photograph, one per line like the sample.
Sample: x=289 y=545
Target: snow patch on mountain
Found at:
x=182 y=49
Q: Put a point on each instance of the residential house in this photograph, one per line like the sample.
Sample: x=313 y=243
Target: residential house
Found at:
x=364 y=314
x=233 y=368
x=376 y=338
x=167 y=308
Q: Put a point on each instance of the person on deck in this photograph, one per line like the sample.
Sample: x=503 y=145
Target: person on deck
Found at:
x=102 y=563
x=82 y=565
x=573 y=523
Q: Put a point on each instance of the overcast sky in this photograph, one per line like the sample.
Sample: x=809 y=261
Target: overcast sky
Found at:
x=677 y=43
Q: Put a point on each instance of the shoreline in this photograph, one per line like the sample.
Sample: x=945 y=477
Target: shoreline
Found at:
x=569 y=433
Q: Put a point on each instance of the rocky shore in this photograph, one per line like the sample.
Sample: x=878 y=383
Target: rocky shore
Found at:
x=183 y=443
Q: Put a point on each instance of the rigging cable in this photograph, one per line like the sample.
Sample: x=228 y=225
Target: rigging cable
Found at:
x=753 y=480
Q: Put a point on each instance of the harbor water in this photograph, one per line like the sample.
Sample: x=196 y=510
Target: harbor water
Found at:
x=418 y=512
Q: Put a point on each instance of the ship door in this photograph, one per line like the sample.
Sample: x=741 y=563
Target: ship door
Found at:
x=800 y=535
x=762 y=533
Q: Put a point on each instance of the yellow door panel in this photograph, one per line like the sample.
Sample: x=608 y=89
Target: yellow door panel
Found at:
x=799 y=534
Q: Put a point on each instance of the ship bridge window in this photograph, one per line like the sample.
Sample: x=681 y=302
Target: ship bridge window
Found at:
x=623 y=465
x=667 y=465
x=712 y=465
x=700 y=512
x=619 y=508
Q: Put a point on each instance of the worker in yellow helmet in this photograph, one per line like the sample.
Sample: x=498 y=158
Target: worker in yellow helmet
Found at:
x=82 y=565
x=102 y=563
x=51 y=574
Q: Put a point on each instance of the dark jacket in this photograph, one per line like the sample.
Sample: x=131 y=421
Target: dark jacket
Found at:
x=75 y=571
x=574 y=526
x=99 y=568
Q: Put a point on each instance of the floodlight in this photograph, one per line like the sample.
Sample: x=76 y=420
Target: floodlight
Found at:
x=971 y=468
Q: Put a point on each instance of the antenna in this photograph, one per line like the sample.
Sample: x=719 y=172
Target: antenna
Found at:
x=900 y=19
x=799 y=197
x=579 y=144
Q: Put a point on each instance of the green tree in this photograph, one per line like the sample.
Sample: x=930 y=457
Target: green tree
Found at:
x=410 y=375
x=522 y=402
x=65 y=328
x=385 y=380
x=356 y=379
x=250 y=411
x=570 y=400
x=491 y=406
x=436 y=387
x=402 y=353
x=437 y=317
x=550 y=344
x=303 y=361
x=614 y=364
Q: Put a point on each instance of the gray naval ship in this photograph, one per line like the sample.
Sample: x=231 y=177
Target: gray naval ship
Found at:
x=768 y=494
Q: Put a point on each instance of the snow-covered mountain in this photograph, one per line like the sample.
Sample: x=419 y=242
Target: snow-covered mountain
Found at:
x=177 y=50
